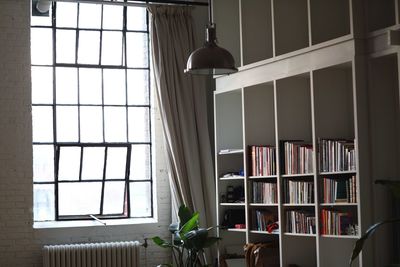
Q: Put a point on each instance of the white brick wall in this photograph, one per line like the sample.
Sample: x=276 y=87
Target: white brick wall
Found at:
x=20 y=244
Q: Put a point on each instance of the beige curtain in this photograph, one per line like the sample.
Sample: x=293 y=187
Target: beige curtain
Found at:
x=183 y=107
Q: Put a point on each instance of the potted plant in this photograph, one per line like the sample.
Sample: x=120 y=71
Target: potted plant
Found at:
x=394 y=186
x=188 y=240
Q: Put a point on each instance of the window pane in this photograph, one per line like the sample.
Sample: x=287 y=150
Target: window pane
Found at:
x=42 y=85
x=93 y=163
x=66 y=85
x=69 y=163
x=111 y=53
x=42 y=124
x=138 y=123
x=65 y=46
x=89 y=16
x=41 y=46
x=114 y=87
x=140 y=198
x=140 y=162
x=115 y=124
x=90 y=86
x=114 y=198
x=43 y=202
x=43 y=163
x=112 y=17
x=42 y=20
x=138 y=87
x=136 y=19
x=66 y=14
x=116 y=163
x=91 y=119
x=88 y=49
x=137 y=50
x=79 y=198
x=67 y=124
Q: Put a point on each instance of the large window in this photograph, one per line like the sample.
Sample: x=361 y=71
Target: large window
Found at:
x=91 y=113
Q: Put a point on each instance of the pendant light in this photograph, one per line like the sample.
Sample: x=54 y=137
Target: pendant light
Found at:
x=210 y=59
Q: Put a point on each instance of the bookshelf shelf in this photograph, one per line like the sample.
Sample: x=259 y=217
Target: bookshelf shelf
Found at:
x=232 y=204
x=236 y=230
x=338 y=173
x=263 y=232
x=297 y=175
x=230 y=152
x=297 y=234
x=263 y=177
x=233 y=178
x=338 y=204
x=299 y=205
x=341 y=236
x=264 y=205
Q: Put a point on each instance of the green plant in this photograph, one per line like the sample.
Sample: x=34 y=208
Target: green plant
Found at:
x=188 y=240
x=394 y=186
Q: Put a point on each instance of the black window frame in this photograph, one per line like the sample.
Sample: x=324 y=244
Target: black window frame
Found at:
x=128 y=144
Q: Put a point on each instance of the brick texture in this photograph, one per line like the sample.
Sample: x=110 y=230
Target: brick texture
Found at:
x=20 y=244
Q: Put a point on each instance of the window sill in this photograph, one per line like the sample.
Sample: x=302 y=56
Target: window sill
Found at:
x=70 y=224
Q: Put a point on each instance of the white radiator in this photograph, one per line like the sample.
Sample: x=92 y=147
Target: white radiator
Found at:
x=110 y=254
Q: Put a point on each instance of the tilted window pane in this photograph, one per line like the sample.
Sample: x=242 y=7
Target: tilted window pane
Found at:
x=67 y=124
x=140 y=162
x=41 y=46
x=91 y=120
x=43 y=202
x=69 y=163
x=136 y=19
x=93 y=163
x=137 y=50
x=112 y=17
x=79 y=198
x=65 y=46
x=42 y=124
x=89 y=16
x=42 y=85
x=66 y=14
x=90 y=86
x=140 y=198
x=111 y=52
x=88 y=47
x=114 y=198
x=138 y=87
x=116 y=163
x=114 y=87
x=43 y=163
x=115 y=124
x=66 y=85
x=138 y=122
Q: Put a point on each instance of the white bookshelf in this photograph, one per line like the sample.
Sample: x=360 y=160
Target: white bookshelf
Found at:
x=304 y=75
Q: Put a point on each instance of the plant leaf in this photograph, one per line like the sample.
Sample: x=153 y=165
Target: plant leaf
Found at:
x=360 y=242
x=161 y=242
x=190 y=225
x=184 y=214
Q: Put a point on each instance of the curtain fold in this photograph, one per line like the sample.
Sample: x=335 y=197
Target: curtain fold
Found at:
x=183 y=106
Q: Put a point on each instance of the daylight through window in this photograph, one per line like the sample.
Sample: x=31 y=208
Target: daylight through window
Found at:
x=91 y=113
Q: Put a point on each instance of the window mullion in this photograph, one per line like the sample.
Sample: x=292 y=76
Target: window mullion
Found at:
x=103 y=182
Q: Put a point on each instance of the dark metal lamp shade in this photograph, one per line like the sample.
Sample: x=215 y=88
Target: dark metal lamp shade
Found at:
x=210 y=59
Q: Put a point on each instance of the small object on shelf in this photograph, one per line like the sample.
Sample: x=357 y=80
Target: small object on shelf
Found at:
x=230 y=196
x=230 y=151
x=240 y=226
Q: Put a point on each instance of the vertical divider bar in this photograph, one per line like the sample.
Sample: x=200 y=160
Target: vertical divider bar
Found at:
x=278 y=175
x=309 y=23
x=240 y=33
x=216 y=176
x=316 y=167
x=396 y=10
x=273 y=30
x=246 y=170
